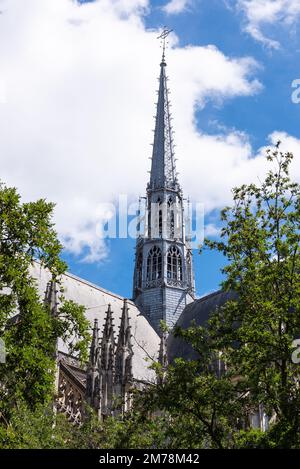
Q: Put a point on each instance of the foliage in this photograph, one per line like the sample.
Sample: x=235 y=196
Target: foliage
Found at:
x=28 y=327
x=244 y=351
x=32 y=429
x=132 y=431
x=40 y=428
x=242 y=359
x=255 y=333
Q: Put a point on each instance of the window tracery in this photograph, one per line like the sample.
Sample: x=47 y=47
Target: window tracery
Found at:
x=174 y=264
x=154 y=264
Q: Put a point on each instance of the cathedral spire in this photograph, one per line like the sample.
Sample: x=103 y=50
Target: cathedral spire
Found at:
x=163 y=276
x=163 y=173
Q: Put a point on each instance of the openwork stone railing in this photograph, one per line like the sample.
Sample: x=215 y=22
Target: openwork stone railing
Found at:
x=153 y=283
x=176 y=283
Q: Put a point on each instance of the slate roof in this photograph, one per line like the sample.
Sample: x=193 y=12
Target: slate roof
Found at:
x=72 y=368
x=198 y=311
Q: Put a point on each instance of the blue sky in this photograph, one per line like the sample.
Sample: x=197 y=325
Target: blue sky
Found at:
x=243 y=117
x=211 y=22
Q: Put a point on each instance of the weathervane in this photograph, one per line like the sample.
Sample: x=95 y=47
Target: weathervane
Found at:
x=163 y=36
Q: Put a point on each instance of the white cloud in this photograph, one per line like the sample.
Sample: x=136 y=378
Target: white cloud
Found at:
x=212 y=230
x=76 y=122
x=173 y=7
x=221 y=163
x=262 y=13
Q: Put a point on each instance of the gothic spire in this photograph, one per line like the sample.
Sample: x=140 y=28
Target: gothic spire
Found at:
x=124 y=351
x=163 y=173
x=108 y=330
x=94 y=350
x=93 y=385
x=108 y=341
x=125 y=328
x=163 y=276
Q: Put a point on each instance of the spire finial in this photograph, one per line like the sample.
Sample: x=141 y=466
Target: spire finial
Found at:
x=163 y=36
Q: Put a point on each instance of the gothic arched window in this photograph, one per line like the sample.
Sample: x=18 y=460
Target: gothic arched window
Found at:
x=154 y=264
x=174 y=264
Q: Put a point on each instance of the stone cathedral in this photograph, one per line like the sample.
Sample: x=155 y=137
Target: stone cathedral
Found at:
x=126 y=333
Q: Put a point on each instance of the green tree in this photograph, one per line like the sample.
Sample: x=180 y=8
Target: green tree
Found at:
x=255 y=333
x=200 y=405
x=27 y=235
x=34 y=429
x=252 y=335
x=243 y=352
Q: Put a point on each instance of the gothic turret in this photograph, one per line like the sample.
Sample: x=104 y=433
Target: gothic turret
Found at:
x=124 y=354
x=94 y=350
x=163 y=276
x=93 y=377
x=107 y=363
x=109 y=372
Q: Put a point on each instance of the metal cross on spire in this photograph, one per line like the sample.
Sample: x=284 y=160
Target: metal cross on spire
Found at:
x=163 y=36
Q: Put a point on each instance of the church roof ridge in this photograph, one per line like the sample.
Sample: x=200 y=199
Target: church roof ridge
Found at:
x=209 y=295
x=93 y=285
